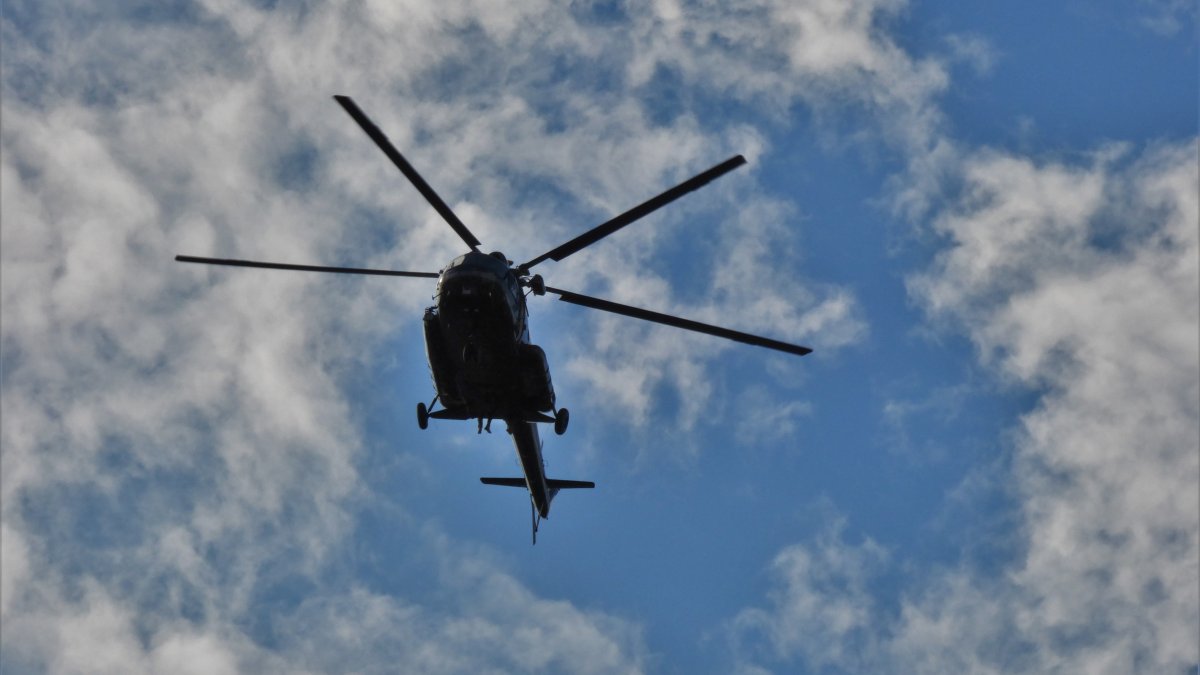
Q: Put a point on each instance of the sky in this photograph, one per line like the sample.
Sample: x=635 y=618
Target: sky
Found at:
x=983 y=218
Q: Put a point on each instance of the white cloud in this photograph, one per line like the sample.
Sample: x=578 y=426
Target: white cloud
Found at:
x=778 y=51
x=821 y=608
x=1168 y=17
x=493 y=624
x=761 y=418
x=1081 y=282
x=974 y=50
x=902 y=414
x=1107 y=320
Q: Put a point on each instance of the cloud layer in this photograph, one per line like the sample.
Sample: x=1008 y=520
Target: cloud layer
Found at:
x=181 y=458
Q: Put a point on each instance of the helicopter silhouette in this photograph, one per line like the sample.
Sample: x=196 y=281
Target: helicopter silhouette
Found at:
x=483 y=364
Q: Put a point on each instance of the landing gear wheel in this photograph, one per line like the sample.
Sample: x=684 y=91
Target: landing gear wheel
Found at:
x=561 y=418
x=422 y=415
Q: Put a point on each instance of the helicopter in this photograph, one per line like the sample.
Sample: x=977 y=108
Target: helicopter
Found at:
x=483 y=363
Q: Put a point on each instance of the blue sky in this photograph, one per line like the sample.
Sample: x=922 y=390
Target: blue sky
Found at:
x=982 y=217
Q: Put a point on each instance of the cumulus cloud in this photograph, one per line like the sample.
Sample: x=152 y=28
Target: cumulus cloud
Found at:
x=1079 y=281
x=1086 y=285
x=482 y=631
x=821 y=52
x=1167 y=17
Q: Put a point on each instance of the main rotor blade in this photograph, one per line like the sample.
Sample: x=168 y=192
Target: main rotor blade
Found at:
x=686 y=324
x=407 y=169
x=303 y=268
x=645 y=208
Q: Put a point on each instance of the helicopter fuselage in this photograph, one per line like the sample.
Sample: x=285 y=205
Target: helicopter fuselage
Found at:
x=482 y=362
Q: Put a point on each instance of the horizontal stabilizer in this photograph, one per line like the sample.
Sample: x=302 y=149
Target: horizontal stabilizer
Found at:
x=507 y=482
x=556 y=484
